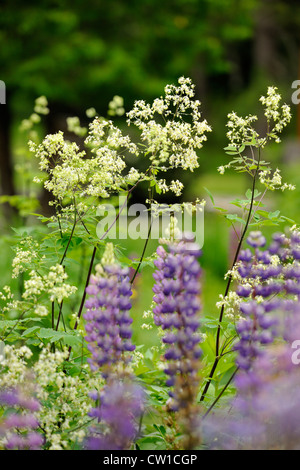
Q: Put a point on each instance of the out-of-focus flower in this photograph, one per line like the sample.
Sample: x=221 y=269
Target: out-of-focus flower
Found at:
x=18 y=427
x=120 y=405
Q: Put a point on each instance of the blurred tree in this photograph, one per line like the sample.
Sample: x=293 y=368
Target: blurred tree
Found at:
x=80 y=55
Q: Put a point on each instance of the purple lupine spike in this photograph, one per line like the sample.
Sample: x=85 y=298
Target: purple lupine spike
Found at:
x=256 y=239
x=109 y=332
x=107 y=317
x=275 y=283
x=177 y=290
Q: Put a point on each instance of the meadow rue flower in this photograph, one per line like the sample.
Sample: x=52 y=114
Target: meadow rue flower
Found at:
x=176 y=295
x=71 y=172
x=65 y=399
x=176 y=141
x=116 y=106
x=278 y=116
x=53 y=284
x=240 y=129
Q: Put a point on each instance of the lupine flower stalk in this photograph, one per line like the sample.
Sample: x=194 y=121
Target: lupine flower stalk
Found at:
x=108 y=323
x=108 y=326
x=264 y=415
x=177 y=289
x=269 y=281
x=265 y=410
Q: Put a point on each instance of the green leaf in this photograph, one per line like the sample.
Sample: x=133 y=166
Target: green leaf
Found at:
x=236 y=218
x=249 y=194
x=31 y=330
x=274 y=215
x=210 y=195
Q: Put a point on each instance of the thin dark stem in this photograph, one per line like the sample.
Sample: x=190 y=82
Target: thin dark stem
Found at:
x=221 y=393
x=150 y=191
x=61 y=262
x=70 y=238
x=86 y=285
x=59 y=314
x=15 y=325
x=93 y=259
x=142 y=255
x=52 y=314
x=217 y=356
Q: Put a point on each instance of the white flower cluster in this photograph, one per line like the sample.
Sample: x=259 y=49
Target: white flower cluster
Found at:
x=13 y=366
x=72 y=171
x=53 y=284
x=66 y=399
x=74 y=126
x=175 y=186
x=116 y=106
x=231 y=303
x=240 y=129
x=171 y=139
x=26 y=252
x=279 y=116
x=40 y=108
x=274 y=181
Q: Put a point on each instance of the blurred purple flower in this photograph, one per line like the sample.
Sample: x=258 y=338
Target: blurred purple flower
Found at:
x=121 y=403
x=19 y=424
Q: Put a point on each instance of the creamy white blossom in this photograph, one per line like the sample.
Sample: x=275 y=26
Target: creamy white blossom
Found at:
x=175 y=140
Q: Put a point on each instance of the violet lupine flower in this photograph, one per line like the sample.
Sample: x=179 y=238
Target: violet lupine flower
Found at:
x=177 y=290
x=275 y=283
x=266 y=411
x=19 y=427
x=108 y=323
x=120 y=405
x=257 y=329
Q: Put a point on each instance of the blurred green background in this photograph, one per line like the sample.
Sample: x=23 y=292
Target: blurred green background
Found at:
x=80 y=54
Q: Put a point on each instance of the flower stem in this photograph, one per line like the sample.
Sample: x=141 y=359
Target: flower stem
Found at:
x=217 y=356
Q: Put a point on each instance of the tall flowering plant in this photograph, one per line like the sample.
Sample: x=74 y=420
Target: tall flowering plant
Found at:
x=108 y=326
x=177 y=306
x=99 y=384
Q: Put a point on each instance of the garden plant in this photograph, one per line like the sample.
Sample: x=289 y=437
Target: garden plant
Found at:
x=74 y=371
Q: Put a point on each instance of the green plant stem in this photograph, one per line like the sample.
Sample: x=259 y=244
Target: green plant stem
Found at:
x=150 y=190
x=142 y=255
x=221 y=393
x=93 y=259
x=217 y=356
